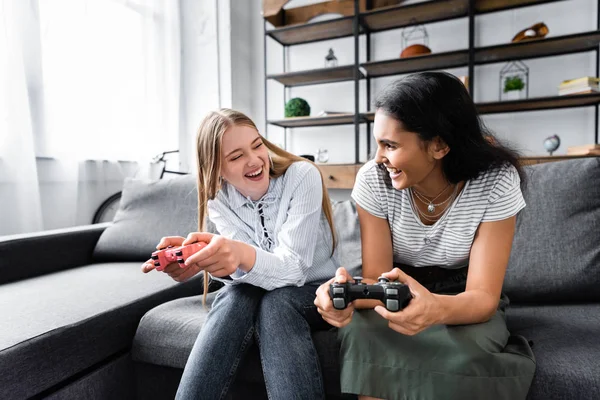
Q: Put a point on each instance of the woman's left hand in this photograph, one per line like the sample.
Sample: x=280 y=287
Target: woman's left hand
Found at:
x=421 y=312
x=221 y=257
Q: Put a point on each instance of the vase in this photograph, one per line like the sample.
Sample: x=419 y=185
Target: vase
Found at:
x=513 y=95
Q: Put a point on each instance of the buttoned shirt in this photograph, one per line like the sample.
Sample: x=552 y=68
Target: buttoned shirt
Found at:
x=287 y=227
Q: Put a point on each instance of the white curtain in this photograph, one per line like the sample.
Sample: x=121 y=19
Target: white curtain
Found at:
x=20 y=207
x=82 y=80
x=111 y=78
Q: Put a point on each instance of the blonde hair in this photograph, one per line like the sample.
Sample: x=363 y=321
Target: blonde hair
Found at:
x=208 y=158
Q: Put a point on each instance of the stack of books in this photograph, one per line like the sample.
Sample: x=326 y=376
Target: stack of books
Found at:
x=587 y=84
x=584 y=150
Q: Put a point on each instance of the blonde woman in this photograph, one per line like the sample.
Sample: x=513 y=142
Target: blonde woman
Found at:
x=276 y=245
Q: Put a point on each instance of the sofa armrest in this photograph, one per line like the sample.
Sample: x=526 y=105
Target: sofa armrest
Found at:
x=28 y=255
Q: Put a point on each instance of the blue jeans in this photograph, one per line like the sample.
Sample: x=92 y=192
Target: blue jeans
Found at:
x=280 y=321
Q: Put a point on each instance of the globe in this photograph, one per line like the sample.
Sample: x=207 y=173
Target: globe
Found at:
x=551 y=143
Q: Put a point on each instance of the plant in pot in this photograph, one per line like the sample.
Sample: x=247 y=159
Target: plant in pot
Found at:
x=513 y=87
x=514 y=81
x=297 y=107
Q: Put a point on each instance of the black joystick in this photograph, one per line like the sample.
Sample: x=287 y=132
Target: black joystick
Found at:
x=394 y=295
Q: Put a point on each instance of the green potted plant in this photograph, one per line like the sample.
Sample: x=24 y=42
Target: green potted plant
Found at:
x=513 y=87
x=297 y=107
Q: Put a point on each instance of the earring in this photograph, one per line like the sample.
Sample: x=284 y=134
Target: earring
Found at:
x=220 y=181
x=270 y=161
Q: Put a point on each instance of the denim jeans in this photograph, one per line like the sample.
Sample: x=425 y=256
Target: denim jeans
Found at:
x=280 y=321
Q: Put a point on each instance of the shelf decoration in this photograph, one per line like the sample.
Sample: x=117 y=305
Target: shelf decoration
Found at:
x=330 y=59
x=415 y=41
x=552 y=143
x=514 y=81
x=584 y=85
x=536 y=31
x=297 y=107
x=322 y=155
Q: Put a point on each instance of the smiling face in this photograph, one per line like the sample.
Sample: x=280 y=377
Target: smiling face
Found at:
x=245 y=161
x=409 y=160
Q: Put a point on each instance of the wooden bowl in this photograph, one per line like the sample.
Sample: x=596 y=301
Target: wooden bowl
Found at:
x=415 y=50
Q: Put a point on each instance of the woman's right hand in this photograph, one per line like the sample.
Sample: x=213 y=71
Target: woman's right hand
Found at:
x=165 y=242
x=337 y=318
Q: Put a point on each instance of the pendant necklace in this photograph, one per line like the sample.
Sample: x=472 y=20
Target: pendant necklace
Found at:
x=430 y=203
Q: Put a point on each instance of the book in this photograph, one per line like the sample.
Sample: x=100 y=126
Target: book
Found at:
x=583 y=150
x=578 y=90
x=584 y=81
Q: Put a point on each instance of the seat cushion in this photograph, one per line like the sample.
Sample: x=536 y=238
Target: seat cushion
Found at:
x=345 y=218
x=53 y=336
x=566 y=346
x=555 y=255
x=167 y=333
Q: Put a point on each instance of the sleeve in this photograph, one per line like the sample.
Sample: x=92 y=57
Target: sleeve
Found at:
x=367 y=190
x=227 y=224
x=290 y=261
x=505 y=199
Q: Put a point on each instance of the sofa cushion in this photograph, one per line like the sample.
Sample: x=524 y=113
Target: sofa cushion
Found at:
x=566 y=348
x=345 y=220
x=148 y=211
x=53 y=337
x=556 y=252
x=167 y=333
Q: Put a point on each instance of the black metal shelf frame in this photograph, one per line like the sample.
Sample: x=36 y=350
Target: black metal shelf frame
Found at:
x=362 y=24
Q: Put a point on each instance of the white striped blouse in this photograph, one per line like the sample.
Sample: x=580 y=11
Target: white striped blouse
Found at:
x=287 y=227
x=492 y=196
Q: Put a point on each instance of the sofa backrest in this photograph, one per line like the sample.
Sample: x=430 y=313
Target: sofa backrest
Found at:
x=555 y=255
x=149 y=211
x=556 y=250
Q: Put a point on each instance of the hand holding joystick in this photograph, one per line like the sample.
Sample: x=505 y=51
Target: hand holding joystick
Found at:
x=178 y=254
x=394 y=295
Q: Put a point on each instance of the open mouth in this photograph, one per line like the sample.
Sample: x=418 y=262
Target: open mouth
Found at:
x=255 y=175
x=394 y=172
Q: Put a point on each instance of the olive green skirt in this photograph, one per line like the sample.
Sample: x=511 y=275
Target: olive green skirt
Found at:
x=479 y=361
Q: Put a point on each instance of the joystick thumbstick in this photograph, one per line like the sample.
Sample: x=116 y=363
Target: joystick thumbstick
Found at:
x=383 y=279
x=357 y=279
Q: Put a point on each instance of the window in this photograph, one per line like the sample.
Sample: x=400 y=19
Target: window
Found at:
x=111 y=78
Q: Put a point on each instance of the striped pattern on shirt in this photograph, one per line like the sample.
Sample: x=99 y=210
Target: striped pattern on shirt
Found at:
x=494 y=195
x=287 y=227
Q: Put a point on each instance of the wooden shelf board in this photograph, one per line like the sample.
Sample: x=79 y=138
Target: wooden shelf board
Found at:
x=313 y=32
x=315 y=76
x=539 y=103
x=539 y=48
x=532 y=104
x=393 y=17
x=298 y=122
x=421 y=13
x=487 y=6
x=420 y=63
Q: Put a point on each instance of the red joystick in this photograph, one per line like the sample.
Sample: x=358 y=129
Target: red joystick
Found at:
x=179 y=254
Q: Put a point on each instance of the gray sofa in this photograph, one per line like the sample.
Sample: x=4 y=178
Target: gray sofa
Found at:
x=79 y=319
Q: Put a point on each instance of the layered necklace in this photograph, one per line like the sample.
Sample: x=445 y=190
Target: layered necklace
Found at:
x=431 y=205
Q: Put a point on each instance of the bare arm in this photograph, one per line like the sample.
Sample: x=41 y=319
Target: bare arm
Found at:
x=487 y=266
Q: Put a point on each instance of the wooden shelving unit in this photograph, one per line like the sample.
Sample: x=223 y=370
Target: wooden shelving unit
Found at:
x=314 y=32
x=300 y=122
x=420 y=63
x=402 y=16
x=314 y=76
